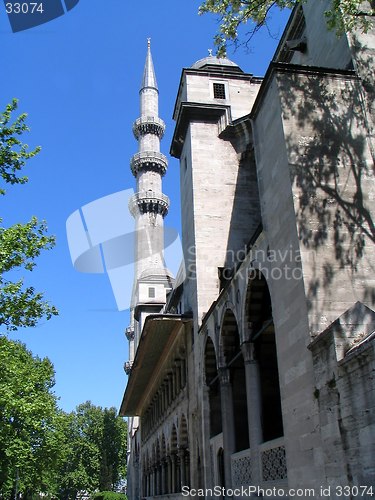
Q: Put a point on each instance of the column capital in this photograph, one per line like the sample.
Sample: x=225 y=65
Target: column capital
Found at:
x=248 y=352
x=224 y=375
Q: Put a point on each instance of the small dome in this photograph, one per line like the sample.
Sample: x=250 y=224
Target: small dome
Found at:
x=156 y=274
x=214 y=61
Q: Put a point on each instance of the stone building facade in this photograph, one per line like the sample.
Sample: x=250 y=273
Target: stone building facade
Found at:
x=254 y=370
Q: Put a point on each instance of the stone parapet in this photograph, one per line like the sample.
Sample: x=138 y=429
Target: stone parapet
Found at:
x=128 y=367
x=129 y=333
x=149 y=201
x=148 y=125
x=148 y=160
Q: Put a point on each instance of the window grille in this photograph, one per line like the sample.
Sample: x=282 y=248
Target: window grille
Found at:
x=219 y=90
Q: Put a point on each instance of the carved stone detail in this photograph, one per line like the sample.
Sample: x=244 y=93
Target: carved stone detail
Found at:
x=241 y=471
x=148 y=160
x=129 y=333
x=128 y=367
x=148 y=125
x=149 y=201
x=274 y=464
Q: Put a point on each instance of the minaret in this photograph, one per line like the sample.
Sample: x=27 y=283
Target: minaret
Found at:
x=148 y=206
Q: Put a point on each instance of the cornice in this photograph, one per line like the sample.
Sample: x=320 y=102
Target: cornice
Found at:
x=195 y=111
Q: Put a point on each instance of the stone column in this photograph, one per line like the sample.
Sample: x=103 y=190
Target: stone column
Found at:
x=178 y=375
x=169 y=475
x=163 y=476
x=187 y=468
x=181 y=456
x=154 y=476
x=137 y=477
x=170 y=398
x=254 y=408
x=206 y=451
x=157 y=482
x=178 y=473
x=183 y=373
x=173 y=473
x=229 y=440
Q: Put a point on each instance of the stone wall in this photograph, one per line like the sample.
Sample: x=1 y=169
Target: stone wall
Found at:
x=344 y=365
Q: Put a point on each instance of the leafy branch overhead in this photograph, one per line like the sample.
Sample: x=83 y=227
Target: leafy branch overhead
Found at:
x=13 y=153
x=343 y=15
x=20 y=244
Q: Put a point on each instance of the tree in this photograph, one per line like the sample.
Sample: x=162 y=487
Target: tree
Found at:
x=95 y=451
x=20 y=244
x=29 y=443
x=343 y=15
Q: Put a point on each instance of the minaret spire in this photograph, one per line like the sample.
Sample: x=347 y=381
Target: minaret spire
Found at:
x=149 y=205
x=149 y=78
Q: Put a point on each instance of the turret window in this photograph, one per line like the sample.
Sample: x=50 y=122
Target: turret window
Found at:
x=219 y=91
x=151 y=293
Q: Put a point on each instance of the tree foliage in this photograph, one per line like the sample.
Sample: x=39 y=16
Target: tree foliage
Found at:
x=13 y=153
x=95 y=451
x=44 y=451
x=343 y=15
x=109 y=495
x=29 y=444
x=20 y=244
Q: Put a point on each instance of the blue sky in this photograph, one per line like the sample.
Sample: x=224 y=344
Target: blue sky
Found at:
x=78 y=79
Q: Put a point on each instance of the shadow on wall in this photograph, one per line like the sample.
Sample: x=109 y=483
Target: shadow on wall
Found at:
x=332 y=170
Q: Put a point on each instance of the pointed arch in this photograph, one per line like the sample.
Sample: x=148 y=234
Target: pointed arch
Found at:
x=212 y=381
x=261 y=330
x=233 y=360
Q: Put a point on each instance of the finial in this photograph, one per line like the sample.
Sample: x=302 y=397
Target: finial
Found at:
x=148 y=43
x=210 y=52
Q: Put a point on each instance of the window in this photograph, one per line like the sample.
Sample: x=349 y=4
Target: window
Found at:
x=151 y=293
x=219 y=90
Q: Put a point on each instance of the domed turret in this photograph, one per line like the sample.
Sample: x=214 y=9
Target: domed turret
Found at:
x=212 y=61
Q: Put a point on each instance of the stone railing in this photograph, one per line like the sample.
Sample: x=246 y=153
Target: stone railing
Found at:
x=273 y=461
x=149 y=201
x=241 y=469
x=148 y=125
x=128 y=367
x=129 y=333
x=148 y=160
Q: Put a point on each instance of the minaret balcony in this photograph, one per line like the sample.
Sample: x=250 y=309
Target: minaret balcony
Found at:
x=148 y=125
x=129 y=333
x=148 y=160
x=149 y=202
x=128 y=367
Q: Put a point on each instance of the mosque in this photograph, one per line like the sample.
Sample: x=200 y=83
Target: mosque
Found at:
x=252 y=372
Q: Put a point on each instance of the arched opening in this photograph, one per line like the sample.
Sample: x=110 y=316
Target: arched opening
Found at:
x=146 y=472
x=235 y=362
x=163 y=464
x=158 y=468
x=174 y=461
x=213 y=384
x=262 y=335
x=184 y=454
